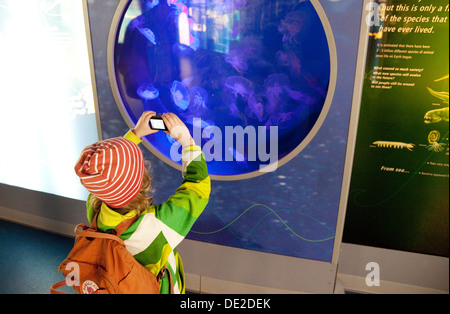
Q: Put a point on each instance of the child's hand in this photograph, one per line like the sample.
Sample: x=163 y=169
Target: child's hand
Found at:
x=143 y=127
x=177 y=129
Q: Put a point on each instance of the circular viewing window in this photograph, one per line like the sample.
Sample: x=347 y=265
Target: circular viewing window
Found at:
x=252 y=79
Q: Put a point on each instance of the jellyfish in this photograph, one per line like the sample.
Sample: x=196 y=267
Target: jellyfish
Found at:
x=180 y=95
x=187 y=81
x=148 y=92
x=276 y=82
x=148 y=34
x=300 y=97
x=178 y=5
x=313 y=83
x=234 y=110
x=239 y=85
x=181 y=49
x=256 y=107
x=194 y=41
x=284 y=120
x=237 y=60
x=189 y=119
x=282 y=58
x=275 y=91
x=239 y=4
x=198 y=97
x=173 y=2
x=246 y=50
x=236 y=29
x=151 y=4
x=289 y=59
x=291 y=26
x=138 y=22
x=296 y=66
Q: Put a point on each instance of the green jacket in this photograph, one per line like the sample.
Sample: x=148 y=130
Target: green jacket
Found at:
x=153 y=238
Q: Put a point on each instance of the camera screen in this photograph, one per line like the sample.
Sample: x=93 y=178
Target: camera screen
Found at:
x=157 y=124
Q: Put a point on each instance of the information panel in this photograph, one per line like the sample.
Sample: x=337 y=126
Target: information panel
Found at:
x=400 y=180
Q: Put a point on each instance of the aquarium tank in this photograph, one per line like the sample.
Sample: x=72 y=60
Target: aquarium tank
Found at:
x=250 y=78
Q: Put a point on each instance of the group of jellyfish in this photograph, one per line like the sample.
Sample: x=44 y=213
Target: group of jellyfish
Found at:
x=269 y=104
x=250 y=49
x=192 y=101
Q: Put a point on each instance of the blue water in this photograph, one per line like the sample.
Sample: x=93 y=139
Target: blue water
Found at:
x=230 y=65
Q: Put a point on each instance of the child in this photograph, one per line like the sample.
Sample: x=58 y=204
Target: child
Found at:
x=114 y=174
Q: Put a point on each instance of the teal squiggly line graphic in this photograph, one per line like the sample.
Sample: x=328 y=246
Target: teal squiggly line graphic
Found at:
x=360 y=191
x=272 y=212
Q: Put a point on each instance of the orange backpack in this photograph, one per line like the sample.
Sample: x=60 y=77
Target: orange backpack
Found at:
x=99 y=263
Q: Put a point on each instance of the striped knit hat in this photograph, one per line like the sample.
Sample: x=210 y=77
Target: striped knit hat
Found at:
x=112 y=170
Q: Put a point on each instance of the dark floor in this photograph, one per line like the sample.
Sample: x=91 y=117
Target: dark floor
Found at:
x=29 y=258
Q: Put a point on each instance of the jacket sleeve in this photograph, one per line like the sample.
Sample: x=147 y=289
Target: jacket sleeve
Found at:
x=179 y=213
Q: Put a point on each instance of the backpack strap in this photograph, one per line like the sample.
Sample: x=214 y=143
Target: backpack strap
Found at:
x=85 y=231
x=162 y=273
x=54 y=288
x=124 y=225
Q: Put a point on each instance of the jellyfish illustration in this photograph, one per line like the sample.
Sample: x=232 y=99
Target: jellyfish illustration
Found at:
x=180 y=95
x=239 y=85
x=198 y=97
x=256 y=107
x=433 y=139
x=291 y=25
x=148 y=92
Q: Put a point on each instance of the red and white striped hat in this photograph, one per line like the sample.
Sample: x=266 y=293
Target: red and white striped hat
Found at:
x=112 y=170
